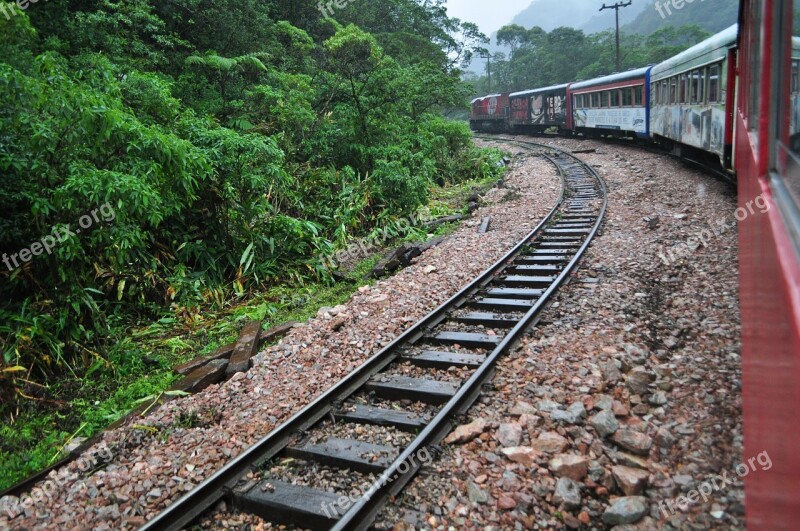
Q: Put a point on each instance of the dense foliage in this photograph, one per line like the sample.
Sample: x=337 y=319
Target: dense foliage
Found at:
x=205 y=148
x=540 y=59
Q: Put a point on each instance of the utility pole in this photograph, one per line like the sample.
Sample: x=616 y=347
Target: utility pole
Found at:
x=616 y=7
x=488 y=58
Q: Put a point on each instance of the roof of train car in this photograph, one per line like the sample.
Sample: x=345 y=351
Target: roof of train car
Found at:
x=484 y=97
x=697 y=54
x=638 y=73
x=534 y=91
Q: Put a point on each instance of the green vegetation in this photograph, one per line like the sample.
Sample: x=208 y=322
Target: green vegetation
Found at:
x=229 y=147
x=540 y=59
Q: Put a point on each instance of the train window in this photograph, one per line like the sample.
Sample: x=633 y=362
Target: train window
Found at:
x=638 y=96
x=664 y=93
x=698 y=80
x=673 y=90
x=785 y=156
x=713 y=83
x=614 y=98
x=684 y=92
x=754 y=44
x=627 y=97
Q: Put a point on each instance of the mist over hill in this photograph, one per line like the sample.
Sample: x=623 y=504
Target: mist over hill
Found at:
x=711 y=15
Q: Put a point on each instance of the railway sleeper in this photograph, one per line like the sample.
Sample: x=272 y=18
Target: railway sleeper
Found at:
x=488 y=319
x=406 y=388
x=401 y=420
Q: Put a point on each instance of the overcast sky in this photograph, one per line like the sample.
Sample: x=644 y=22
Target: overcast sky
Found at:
x=489 y=15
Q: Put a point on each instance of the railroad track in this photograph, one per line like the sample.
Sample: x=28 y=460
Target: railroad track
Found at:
x=413 y=389
x=711 y=166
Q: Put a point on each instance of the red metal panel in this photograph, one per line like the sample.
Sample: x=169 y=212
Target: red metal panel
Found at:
x=769 y=271
x=770 y=309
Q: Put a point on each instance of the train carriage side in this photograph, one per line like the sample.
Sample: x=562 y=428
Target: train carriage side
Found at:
x=691 y=103
x=536 y=111
x=614 y=105
x=768 y=178
x=489 y=113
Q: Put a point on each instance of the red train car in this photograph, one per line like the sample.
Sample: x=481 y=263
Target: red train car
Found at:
x=489 y=113
x=767 y=160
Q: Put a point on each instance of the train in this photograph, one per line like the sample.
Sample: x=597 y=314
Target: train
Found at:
x=733 y=100
x=684 y=104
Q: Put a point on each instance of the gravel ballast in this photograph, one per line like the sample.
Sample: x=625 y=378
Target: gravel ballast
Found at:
x=627 y=395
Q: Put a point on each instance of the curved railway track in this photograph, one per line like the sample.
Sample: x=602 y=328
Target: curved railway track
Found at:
x=453 y=352
x=709 y=165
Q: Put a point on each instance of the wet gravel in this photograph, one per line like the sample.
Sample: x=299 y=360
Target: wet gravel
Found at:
x=152 y=461
x=627 y=395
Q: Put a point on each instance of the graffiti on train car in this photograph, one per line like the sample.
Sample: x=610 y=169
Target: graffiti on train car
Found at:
x=548 y=108
x=699 y=126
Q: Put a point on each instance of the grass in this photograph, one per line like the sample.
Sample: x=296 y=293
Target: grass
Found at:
x=140 y=365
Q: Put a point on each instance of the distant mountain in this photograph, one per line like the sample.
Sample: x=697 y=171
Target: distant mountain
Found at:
x=640 y=17
x=551 y=14
x=711 y=15
x=604 y=20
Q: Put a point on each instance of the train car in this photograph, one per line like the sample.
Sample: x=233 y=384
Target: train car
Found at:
x=537 y=110
x=692 y=99
x=614 y=105
x=767 y=159
x=489 y=113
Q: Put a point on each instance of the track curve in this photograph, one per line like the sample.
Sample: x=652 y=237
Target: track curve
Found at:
x=471 y=330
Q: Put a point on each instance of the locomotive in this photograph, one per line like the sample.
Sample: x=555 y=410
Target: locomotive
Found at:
x=735 y=100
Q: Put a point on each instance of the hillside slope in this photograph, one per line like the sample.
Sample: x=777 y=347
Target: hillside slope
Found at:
x=712 y=16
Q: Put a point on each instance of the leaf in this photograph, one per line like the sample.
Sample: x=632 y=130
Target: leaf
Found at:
x=120 y=289
x=148 y=398
x=95 y=366
x=246 y=256
x=15 y=368
x=177 y=392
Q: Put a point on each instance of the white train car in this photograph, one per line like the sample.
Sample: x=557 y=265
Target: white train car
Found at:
x=614 y=105
x=689 y=95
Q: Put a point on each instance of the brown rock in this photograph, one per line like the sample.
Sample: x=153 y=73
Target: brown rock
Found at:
x=632 y=481
x=571 y=466
x=506 y=502
x=633 y=441
x=339 y=321
x=524 y=455
x=467 y=432
x=620 y=409
x=509 y=434
x=522 y=408
x=550 y=442
x=627 y=459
